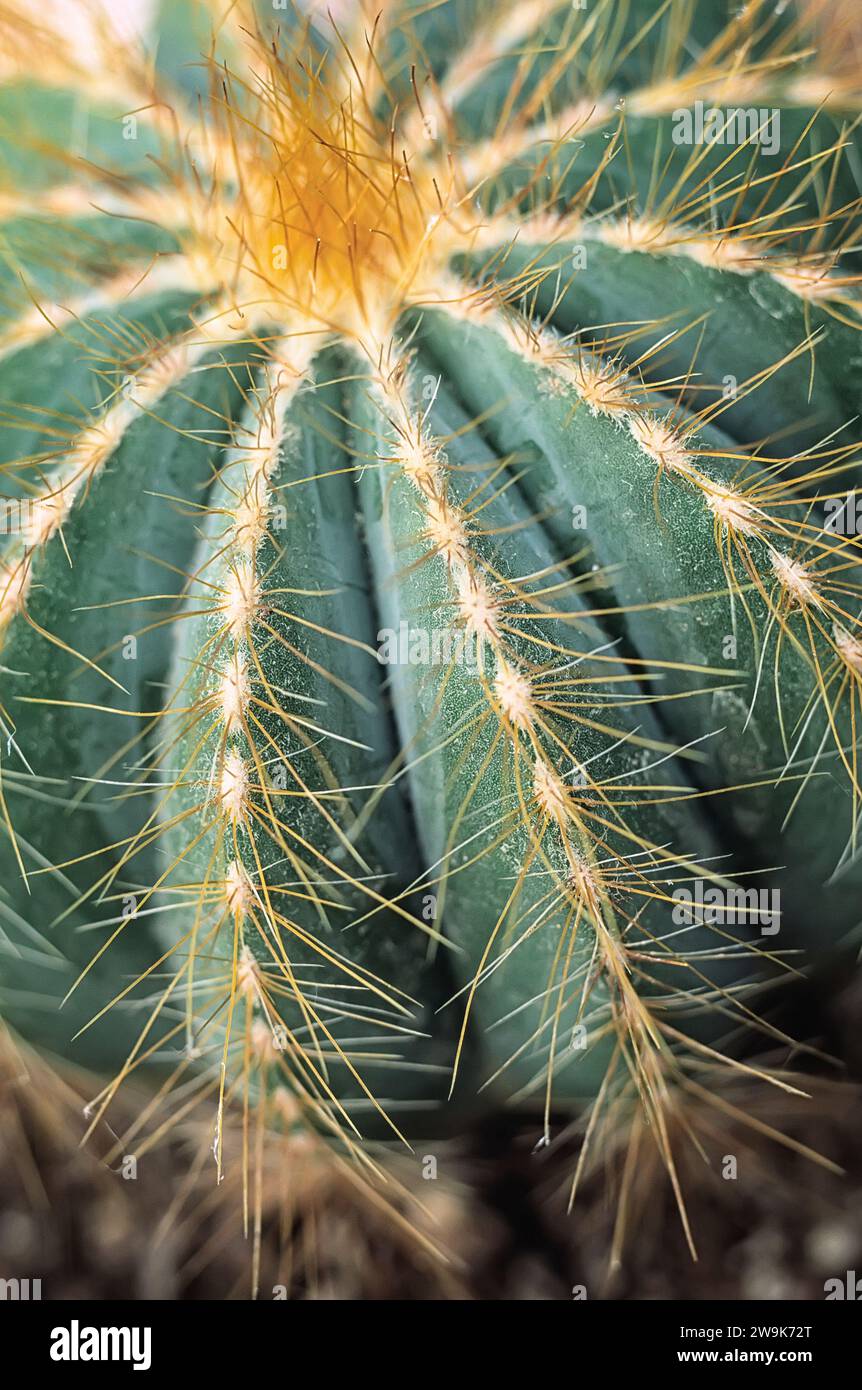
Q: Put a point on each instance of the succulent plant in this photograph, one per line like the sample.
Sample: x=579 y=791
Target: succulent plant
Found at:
x=430 y=589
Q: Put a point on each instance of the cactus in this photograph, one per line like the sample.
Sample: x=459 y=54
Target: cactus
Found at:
x=430 y=622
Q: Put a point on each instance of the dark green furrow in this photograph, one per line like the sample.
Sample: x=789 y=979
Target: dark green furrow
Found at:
x=579 y=460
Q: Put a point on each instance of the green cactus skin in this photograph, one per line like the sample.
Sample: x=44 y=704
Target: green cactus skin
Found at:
x=439 y=346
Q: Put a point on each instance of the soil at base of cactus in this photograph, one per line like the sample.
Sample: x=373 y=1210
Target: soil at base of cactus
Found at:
x=88 y=1233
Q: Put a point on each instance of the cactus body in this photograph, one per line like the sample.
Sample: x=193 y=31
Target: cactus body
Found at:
x=423 y=564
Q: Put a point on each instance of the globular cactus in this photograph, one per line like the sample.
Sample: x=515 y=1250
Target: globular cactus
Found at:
x=431 y=644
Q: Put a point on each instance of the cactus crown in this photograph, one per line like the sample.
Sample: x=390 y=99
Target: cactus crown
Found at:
x=426 y=637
